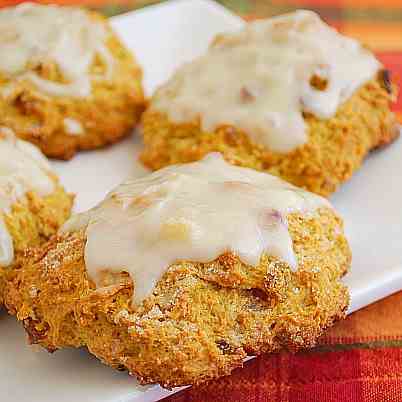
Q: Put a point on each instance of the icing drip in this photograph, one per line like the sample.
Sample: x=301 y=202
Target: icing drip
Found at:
x=22 y=168
x=192 y=212
x=72 y=126
x=263 y=78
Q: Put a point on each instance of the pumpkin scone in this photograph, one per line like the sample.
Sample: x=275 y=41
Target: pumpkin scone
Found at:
x=67 y=83
x=289 y=96
x=33 y=205
x=179 y=275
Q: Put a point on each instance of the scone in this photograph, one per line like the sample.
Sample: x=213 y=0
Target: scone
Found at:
x=288 y=95
x=66 y=81
x=178 y=276
x=33 y=204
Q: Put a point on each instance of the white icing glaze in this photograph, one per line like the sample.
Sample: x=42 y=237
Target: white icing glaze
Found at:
x=6 y=246
x=31 y=34
x=22 y=168
x=192 y=212
x=72 y=126
x=258 y=79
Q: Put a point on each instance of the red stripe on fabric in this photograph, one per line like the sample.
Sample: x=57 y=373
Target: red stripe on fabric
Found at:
x=307 y=367
x=383 y=368
x=325 y=377
x=338 y=392
x=379 y=363
x=281 y=378
x=383 y=391
x=358 y=375
x=249 y=384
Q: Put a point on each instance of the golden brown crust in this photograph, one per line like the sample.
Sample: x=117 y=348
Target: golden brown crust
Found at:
x=32 y=222
x=109 y=114
x=202 y=319
x=335 y=148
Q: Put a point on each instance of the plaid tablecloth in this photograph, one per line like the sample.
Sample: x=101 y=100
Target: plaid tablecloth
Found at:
x=359 y=359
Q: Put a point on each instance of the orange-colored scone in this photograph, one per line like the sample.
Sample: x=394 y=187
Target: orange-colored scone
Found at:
x=32 y=222
x=289 y=96
x=200 y=319
x=79 y=94
x=33 y=204
x=335 y=149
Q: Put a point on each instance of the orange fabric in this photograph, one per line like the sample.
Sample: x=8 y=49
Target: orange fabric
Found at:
x=382 y=321
x=379 y=36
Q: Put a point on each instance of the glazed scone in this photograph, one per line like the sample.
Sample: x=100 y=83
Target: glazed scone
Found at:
x=287 y=95
x=33 y=205
x=178 y=276
x=66 y=89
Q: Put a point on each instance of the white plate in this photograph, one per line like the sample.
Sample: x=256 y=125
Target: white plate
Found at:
x=163 y=37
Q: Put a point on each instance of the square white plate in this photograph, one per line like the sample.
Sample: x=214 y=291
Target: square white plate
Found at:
x=163 y=37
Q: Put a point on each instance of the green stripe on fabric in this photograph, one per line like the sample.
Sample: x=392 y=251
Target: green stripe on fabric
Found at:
x=372 y=14
x=267 y=8
x=238 y=6
x=111 y=10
